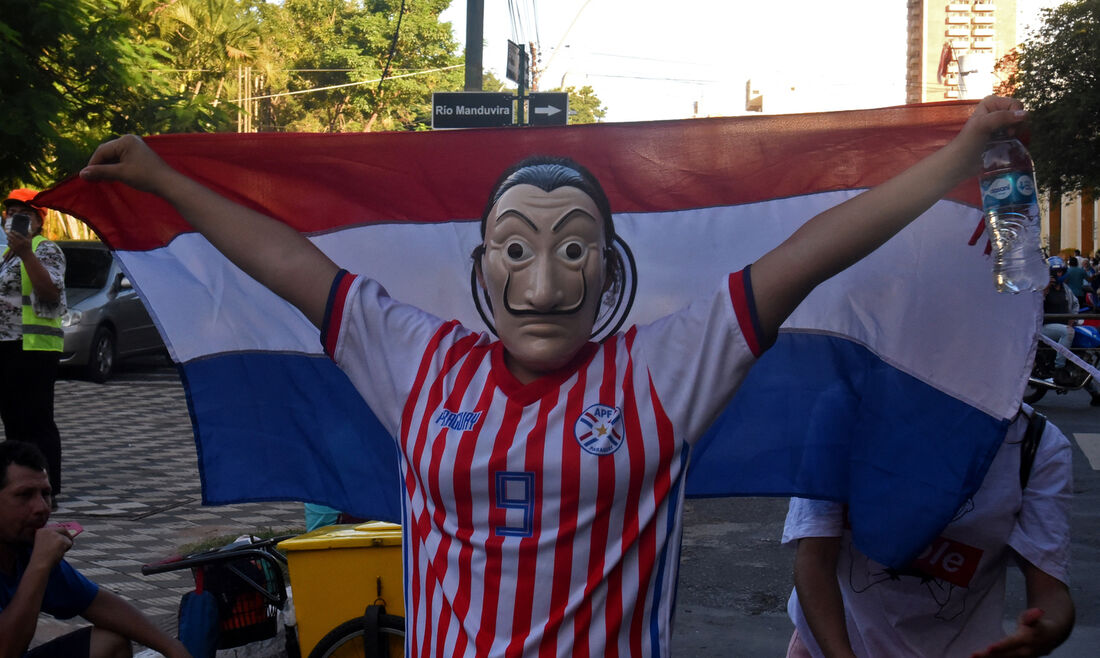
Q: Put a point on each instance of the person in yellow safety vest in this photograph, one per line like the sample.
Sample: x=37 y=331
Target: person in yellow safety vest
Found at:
x=32 y=301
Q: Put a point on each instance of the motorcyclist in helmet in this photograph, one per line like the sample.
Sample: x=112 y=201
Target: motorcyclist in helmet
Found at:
x=1059 y=299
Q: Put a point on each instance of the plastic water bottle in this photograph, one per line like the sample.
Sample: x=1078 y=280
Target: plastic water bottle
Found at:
x=1012 y=216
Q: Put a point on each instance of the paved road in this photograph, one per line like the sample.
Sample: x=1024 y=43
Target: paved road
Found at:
x=130 y=478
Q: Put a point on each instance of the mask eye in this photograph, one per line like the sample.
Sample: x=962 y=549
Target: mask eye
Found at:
x=518 y=251
x=572 y=251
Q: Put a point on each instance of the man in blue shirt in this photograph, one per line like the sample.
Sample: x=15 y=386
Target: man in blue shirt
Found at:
x=1076 y=279
x=34 y=577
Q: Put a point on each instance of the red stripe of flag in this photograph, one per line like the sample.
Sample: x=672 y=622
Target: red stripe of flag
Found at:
x=362 y=178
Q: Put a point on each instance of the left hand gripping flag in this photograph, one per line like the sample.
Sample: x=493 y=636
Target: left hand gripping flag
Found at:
x=889 y=388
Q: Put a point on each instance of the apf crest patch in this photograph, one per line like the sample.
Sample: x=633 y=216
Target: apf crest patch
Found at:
x=599 y=430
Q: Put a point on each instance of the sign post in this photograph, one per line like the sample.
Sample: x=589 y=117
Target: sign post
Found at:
x=548 y=108
x=471 y=109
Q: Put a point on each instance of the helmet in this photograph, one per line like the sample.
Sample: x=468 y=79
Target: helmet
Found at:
x=1056 y=263
x=26 y=197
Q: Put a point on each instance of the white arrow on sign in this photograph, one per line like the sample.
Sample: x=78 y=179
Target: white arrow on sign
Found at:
x=549 y=110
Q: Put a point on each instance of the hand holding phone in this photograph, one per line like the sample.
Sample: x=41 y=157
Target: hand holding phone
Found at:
x=21 y=224
x=71 y=527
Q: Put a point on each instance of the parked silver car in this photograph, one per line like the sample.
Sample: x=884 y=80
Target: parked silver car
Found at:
x=106 y=320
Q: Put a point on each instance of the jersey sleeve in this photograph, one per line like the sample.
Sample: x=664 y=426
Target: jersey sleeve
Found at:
x=1041 y=533
x=698 y=357
x=813 y=518
x=68 y=592
x=378 y=342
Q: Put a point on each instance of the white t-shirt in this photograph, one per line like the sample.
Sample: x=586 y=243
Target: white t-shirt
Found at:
x=951 y=601
x=541 y=518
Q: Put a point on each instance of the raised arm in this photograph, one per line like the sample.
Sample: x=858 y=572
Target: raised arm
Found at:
x=839 y=237
x=271 y=252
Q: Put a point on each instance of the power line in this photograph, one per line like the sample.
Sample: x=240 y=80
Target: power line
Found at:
x=353 y=84
x=656 y=78
x=535 y=19
x=393 y=45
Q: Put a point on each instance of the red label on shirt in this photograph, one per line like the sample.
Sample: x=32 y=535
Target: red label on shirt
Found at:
x=949 y=560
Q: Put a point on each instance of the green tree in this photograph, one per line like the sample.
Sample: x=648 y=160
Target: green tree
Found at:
x=341 y=48
x=72 y=76
x=584 y=105
x=1057 y=77
x=206 y=45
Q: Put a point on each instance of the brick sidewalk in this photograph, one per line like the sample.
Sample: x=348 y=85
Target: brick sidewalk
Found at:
x=130 y=477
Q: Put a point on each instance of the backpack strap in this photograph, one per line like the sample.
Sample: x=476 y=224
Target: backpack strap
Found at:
x=1030 y=445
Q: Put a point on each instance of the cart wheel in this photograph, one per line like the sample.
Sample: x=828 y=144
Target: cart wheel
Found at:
x=346 y=640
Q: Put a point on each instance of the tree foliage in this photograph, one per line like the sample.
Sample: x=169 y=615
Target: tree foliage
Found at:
x=584 y=105
x=1057 y=77
x=79 y=71
x=205 y=43
x=341 y=49
x=72 y=76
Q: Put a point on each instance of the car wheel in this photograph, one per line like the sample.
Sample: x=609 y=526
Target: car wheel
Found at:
x=101 y=361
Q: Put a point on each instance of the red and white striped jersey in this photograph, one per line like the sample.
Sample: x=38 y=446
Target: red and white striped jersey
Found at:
x=541 y=519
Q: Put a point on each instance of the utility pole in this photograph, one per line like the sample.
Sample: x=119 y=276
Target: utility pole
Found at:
x=475 y=37
x=244 y=99
x=535 y=72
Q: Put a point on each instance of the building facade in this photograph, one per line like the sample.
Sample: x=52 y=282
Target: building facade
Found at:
x=953 y=47
x=951 y=53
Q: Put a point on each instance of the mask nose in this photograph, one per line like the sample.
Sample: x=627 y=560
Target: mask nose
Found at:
x=543 y=291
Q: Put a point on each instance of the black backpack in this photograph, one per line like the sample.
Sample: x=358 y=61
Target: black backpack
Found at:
x=1030 y=445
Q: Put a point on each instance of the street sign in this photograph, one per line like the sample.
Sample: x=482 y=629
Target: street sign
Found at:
x=548 y=108
x=515 y=61
x=471 y=109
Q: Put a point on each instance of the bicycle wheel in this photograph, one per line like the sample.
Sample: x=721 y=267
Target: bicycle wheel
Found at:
x=346 y=640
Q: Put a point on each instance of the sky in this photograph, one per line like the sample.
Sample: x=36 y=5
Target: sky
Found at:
x=654 y=59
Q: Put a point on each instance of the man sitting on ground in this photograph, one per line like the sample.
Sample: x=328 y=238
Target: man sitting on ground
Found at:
x=34 y=577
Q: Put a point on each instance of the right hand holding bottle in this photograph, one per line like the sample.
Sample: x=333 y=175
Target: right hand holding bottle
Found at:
x=993 y=113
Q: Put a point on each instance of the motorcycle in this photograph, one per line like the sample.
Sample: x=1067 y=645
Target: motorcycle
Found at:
x=1086 y=347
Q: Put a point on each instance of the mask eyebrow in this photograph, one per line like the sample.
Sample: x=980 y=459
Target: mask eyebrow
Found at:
x=573 y=212
x=513 y=211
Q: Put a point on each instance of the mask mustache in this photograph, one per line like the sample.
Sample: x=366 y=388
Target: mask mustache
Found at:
x=569 y=310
